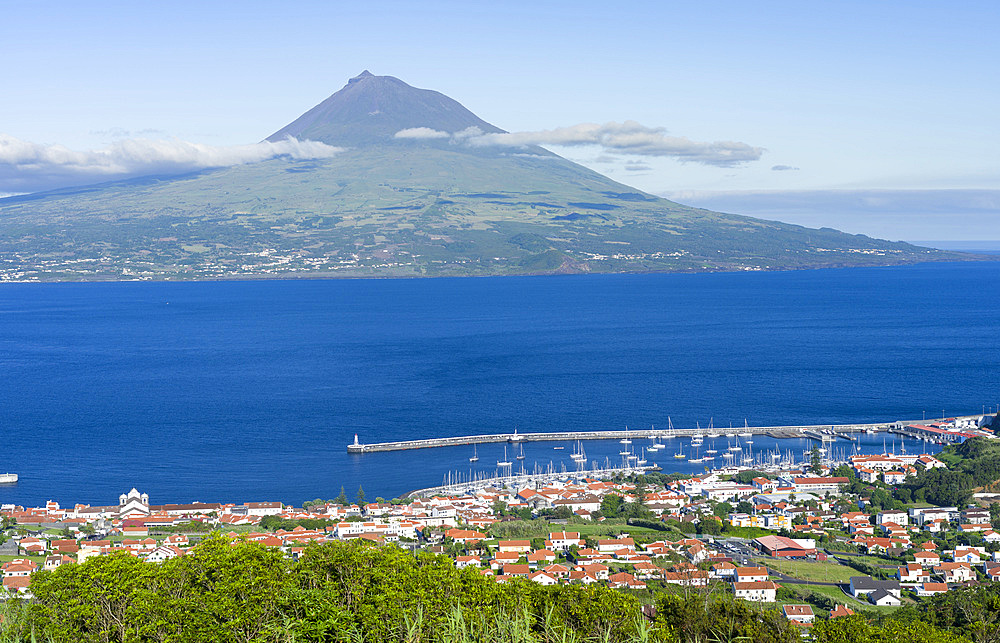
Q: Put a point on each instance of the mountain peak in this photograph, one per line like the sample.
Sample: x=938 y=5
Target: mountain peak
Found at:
x=370 y=109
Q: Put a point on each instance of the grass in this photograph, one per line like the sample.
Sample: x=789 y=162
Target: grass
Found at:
x=34 y=557
x=874 y=560
x=830 y=572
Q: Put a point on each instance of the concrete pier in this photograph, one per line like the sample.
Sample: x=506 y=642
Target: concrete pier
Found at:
x=570 y=436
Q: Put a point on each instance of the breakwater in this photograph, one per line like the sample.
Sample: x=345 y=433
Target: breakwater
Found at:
x=816 y=431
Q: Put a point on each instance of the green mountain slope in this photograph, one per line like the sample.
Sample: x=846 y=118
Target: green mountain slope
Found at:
x=391 y=207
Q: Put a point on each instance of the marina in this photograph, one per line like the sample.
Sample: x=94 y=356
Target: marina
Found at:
x=821 y=432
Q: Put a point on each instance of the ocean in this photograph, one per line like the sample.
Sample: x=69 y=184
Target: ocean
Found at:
x=242 y=391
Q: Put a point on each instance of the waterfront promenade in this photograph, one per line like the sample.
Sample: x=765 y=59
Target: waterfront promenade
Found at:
x=830 y=430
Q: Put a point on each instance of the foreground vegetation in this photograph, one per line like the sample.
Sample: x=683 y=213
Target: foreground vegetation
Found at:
x=337 y=592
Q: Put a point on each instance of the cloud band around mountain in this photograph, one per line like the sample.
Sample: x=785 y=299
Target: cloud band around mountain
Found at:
x=32 y=167
x=628 y=138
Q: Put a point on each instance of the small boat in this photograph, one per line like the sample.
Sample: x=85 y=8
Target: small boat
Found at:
x=558 y=448
x=625 y=440
x=642 y=461
x=520 y=453
x=504 y=463
x=679 y=455
x=475 y=455
x=11 y=478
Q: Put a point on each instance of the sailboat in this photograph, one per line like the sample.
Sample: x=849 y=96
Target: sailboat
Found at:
x=520 y=453
x=696 y=459
x=642 y=461
x=679 y=455
x=504 y=462
x=746 y=430
x=656 y=445
x=625 y=440
x=475 y=455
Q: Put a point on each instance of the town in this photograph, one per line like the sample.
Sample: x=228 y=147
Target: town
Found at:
x=819 y=540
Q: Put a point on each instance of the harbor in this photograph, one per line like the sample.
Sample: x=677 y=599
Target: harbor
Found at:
x=822 y=432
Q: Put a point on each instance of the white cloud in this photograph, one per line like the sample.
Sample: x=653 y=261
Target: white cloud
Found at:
x=628 y=138
x=30 y=167
x=421 y=133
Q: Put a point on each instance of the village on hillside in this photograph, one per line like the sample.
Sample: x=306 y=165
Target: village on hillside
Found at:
x=818 y=541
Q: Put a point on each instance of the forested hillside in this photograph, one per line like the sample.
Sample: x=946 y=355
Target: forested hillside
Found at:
x=244 y=592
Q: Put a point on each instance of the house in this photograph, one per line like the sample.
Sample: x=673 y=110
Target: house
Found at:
x=33 y=545
x=954 y=572
x=882 y=598
x=912 y=573
x=688 y=577
x=164 y=552
x=762 y=591
x=612 y=545
x=597 y=570
x=56 y=560
x=863 y=585
x=976 y=516
x=818 y=485
x=930 y=589
x=897 y=517
x=467 y=561
x=524 y=571
x=624 y=579
x=543 y=578
x=519 y=546
x=17 y=584
x=841 y=610
x=563 y=540
x=19 y=567
x=467 y=536
x=579 y=576
x=724 y=570
x=799 y=613
x=894 y=477
x=764 y=485
x=65 y=546
x=541 y=556
x=967 y=556
x=927 y=558
x=750 y=574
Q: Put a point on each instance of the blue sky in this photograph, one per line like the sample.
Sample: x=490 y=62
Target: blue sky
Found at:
x=852 y=97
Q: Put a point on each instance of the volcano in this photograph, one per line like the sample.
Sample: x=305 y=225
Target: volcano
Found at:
x=405 y=196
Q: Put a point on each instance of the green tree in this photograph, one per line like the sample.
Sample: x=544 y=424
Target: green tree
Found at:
x=611 y=504
x=710 y=526
x=723 y=509
x=341 y=499
x=815 y=461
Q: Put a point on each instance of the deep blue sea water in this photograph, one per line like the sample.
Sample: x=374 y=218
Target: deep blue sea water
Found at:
x=237 y=391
